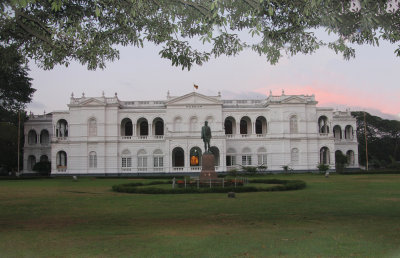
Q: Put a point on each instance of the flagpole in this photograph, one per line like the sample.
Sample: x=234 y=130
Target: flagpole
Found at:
x=19 y=136
x=366 y=142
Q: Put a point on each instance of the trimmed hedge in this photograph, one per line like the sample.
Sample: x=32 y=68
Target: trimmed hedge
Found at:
x=284 y=185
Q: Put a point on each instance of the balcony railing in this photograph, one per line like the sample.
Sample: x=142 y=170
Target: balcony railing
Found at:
x=143 y=137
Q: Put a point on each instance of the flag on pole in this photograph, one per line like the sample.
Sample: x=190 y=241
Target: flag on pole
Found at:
x=195 y=86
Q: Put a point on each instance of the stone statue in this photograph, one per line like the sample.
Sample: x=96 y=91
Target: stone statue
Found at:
x=206 y=136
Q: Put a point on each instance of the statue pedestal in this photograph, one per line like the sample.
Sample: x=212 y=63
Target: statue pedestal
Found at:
x=208 y=168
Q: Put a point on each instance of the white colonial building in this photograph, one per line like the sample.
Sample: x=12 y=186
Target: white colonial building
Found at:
x=104 y=135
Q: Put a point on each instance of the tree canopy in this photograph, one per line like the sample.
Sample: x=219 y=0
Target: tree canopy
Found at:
x=15 y=85
x=58 y=31
x=383 y=138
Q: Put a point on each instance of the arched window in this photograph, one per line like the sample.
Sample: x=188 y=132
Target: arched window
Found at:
x=324 y=155
x=44 y=137
x=245 y=125
x=348 y=132
x=61 y=160
x=158 y=160
x=261 y=125
x=195 y=157
x=126 y=160
x=230 y=125
x=323 y=125
x=294 y=156
x=31 y=162
x=193 y=124
x=143 y=127
x=126 y=127
x=210 y=120
x=262 y=156
x=92 y=127
x=337 y=132
x=246 y=157
x=158 y=125
x=62 y=128
x=32 y=137
x=215 y=151
x=230 y=157
x=350 y=157
x=177 y=124
x=92 y=159
x=293 y=124
x=178 y=157
x=142 y=160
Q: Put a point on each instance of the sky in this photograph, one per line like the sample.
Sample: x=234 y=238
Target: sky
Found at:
x=367 y=82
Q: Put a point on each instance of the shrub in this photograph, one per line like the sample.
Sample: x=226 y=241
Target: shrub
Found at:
x=284 y=185
x=262 y=168
x=323 y=167
x=249 y=170
x=286 y=168
x=43 y=168
x=233 y=172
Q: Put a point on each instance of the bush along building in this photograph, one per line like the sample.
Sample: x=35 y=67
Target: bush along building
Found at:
x=108 y=136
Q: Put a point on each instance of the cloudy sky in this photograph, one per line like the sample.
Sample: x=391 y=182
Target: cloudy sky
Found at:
x=368 y=82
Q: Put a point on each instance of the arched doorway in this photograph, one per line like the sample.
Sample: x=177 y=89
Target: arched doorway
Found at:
x=195 y=157
x=178 y=157
x=261 y=125
x=158 y=125
x=230 y=125
x=143 y=127
x=245 y=125
x=126 y=127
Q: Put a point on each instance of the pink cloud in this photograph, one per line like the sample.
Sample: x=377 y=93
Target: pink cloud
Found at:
x=342 y=95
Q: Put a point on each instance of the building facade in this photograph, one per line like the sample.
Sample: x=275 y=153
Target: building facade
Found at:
x=104 y=135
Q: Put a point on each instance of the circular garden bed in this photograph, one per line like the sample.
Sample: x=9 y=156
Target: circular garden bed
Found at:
x=254 y=185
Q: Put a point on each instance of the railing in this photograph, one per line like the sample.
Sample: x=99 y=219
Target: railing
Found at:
x=126 y=169
x=158 y=169
x=260 y=135
x=323 y=134
x=195 y=169
x=230 y=136
x=245 y=135
x=142 y=169
x=177 y=169
x=143 y=137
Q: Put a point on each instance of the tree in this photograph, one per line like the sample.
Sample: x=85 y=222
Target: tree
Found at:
x=15 y=85
x=15 y=92
x=58 y=31
x=383 y=138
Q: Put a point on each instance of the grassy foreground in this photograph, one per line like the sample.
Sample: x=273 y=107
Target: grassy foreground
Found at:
x=340 y=216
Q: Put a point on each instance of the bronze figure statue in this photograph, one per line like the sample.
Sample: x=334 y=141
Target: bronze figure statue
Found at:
x=206 y=136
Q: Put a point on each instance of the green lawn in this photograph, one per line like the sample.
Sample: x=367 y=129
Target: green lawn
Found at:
x=357 y=215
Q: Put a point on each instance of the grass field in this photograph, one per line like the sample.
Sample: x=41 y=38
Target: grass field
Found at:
x=340 y=216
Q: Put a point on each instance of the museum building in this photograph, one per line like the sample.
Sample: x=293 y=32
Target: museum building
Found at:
x=105 y=135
